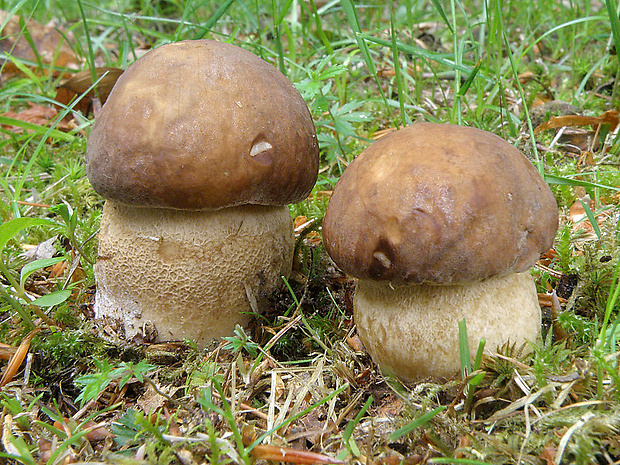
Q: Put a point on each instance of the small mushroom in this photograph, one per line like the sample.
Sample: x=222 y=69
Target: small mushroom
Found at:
x=440 y=223
x=198 y=150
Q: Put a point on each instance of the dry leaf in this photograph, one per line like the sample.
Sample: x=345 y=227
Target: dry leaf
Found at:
x=286 y=454
x=559 y=332
x=81 y=82
x=546 y=300
x=548 y=454
x=321 y=195
x=6 y=351
x=58 y=269
x=173 y=427
x=94 y=431
x=577 y=215
x=35 y=114
x=49 y=41
x=526 y=77
x=355 y=343
x=151 y=401
x=299 y=221
x=609 y=117
x=45 y=449
x=18 y=357
x=577 y=138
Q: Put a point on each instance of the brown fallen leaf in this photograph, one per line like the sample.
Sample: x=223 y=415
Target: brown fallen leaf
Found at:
x=548 y=454
x=355 y=343
x=58 y=269
x=49 y=42
x=546 y=300
x=283 y=454
x=526 y=77
x=45 y=449
x=321 y=195
x=94 y=431
x=6 y=351
x=578 y=140
x=579 y=218
x=81 y=82
x=286 y=454
x=35 y=114
x=559 y=332
x=609 y=117
x=18 y=357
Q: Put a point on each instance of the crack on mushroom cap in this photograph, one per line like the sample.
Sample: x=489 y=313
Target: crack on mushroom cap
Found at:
x=260 y=147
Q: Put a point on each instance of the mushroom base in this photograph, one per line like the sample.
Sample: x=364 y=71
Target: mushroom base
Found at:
x=194 y=275
x=411 y=331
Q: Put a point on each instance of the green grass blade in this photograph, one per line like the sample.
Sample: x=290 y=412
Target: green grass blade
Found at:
x=439 y=58
x=262 y=437
x=449 y=460
x=409 y=427
x=398 y=73
x=479 y=353
x=611 y=303
x=591 y=218
x=348 y=431
x=464 y=349
x=351 y=15
x=513 y=67
x=470 y=79
x=319 y=29
x=612 y=11
x=89 y=43
x=555 y=29
x=353 y=20
x=26 y=33
x=283 y=12
x=31 y=267
x=442 y=13
x=563 y=181
x=278 y=38
x=39 y=130
x=221 y=11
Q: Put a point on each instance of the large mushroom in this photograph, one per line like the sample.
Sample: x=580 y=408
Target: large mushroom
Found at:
x=198 y=150
x=440 y=223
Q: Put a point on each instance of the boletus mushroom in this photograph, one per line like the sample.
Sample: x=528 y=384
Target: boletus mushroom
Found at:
x=440 y=223
x=198 y=150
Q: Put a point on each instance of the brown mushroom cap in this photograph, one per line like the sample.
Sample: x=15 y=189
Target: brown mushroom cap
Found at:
x=439 y=203
x=201 y=124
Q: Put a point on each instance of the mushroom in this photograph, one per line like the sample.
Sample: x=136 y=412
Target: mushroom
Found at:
x=198 y=150
x=440 y=223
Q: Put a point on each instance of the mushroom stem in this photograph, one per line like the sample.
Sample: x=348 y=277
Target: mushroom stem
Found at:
x=187 y=274
x=411 y=331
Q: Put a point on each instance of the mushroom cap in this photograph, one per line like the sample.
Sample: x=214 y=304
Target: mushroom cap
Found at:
x=200 y=124
x=439 y=203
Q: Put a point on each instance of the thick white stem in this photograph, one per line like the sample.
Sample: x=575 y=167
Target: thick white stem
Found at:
x=190 y=275
x=411 y=331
